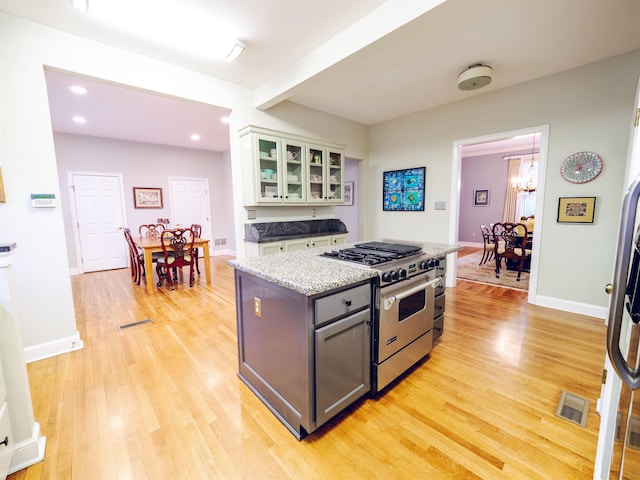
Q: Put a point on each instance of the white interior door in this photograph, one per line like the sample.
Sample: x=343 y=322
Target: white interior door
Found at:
x=99 y=212
x=190 y=203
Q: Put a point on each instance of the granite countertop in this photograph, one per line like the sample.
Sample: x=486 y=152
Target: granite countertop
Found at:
x=276 y=231
x=308 y=273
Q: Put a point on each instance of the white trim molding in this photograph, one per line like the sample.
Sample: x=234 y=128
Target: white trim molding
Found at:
x=28 y=452
x=53 y=348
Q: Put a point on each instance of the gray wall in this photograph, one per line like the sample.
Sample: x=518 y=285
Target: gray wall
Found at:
x=145 y=165
x=587 y=109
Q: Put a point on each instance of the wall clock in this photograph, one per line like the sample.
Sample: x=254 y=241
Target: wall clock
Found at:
x=581 y=167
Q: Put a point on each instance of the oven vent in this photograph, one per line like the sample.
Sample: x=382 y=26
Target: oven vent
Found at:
x=573 y=408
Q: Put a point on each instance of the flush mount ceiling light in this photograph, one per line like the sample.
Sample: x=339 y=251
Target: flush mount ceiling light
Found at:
x=474 y=77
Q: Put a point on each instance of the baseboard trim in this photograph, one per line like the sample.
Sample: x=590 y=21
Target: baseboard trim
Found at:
x=218 y=253
x=572 y=307
x=29 y=451
x=53 y=348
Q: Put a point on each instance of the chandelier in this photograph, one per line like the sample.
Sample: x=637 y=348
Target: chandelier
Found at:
x=526 y=184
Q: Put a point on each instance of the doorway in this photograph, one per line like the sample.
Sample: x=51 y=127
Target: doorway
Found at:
x=457 y=194
x=190 y=203
x=97 y=211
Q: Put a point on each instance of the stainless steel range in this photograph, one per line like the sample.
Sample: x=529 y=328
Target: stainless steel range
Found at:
x=409 y=296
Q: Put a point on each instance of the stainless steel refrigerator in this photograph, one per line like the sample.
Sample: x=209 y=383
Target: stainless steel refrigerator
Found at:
x=618 y=453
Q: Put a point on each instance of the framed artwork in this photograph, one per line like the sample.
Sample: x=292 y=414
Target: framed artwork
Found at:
x=481 y=197
x=147 y=197
x=576 y=209
x=403 y=190
x=3 y=198
x=348 y=193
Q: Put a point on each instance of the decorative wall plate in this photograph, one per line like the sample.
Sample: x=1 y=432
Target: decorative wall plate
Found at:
x=581 y=167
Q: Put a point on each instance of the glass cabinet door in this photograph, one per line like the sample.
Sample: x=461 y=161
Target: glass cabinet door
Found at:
x=294 y=174
x=334 y=180
x=316 y=190
x=268 y=153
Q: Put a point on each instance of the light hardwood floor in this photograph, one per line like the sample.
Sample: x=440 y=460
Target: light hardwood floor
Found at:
x=162 y=400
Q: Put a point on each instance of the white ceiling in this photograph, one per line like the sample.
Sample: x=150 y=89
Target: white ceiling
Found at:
x=368 y=61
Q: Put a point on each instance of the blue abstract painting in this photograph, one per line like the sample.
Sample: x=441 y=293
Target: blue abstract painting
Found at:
x=403 y=190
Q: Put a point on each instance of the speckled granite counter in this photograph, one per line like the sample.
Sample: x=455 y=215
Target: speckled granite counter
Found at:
x=306 y=272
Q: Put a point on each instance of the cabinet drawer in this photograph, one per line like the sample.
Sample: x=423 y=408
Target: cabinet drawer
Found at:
x=341 y=303
x=6 y=451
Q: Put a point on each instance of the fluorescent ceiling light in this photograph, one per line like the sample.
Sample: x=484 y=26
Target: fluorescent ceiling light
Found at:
x=235 y=52
x=80 y=5
x=172 y=24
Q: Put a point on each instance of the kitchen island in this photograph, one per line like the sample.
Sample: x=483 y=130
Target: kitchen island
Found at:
x=304 y=332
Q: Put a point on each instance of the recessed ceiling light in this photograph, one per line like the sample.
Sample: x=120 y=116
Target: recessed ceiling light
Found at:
x=79 y=89
x=225 y=120
x=195 y=137
x=79 y=119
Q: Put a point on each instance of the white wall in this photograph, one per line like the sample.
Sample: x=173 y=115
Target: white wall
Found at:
x=28 y=163
x=588 y=108
x=145 y=165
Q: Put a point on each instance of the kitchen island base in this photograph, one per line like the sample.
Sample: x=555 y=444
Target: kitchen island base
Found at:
x=306 y=357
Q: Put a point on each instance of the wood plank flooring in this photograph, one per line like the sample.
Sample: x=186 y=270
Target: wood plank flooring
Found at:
x=162 y=400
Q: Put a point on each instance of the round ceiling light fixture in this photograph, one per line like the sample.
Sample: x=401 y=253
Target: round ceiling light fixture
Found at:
x=474 y=77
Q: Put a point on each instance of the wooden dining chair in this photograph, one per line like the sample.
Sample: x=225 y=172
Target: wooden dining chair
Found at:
x=151 y=230
x=197 y=232
x=135 y=257
x=510 y=242
x=488 y=244
x=177 y=250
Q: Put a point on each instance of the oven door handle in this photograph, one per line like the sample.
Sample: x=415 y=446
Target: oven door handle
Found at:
x=388 y=302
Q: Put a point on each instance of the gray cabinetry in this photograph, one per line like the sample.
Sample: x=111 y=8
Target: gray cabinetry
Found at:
x=438 y=314
x=343 y=368
x=305 y=357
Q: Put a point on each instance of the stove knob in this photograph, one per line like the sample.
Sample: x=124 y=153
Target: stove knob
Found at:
x=402 y=273
x=386 y=277
x=424 y=265
x=394 y=275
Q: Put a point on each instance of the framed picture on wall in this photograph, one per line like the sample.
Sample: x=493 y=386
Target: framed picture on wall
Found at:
x=481 y=197
x=403 y=190
x=576 y=209
x=147 y=197
x=348 y=193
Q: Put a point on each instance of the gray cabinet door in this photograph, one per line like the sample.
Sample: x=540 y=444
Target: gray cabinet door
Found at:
x=343 y=364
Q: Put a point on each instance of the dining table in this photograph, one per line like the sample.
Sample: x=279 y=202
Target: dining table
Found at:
x=151 y=245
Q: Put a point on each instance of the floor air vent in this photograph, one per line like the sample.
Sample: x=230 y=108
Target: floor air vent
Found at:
x=573 y=408
x=135 y=324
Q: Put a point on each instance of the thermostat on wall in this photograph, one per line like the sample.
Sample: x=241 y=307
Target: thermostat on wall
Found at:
x=43 y=200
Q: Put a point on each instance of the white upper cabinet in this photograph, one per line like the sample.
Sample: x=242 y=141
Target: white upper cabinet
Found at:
x=290 y=170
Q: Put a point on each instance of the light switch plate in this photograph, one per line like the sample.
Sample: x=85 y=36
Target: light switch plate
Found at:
x=441 y=205
x=251 y=214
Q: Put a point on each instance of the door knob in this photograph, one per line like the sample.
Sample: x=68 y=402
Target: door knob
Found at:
x=608 y=288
